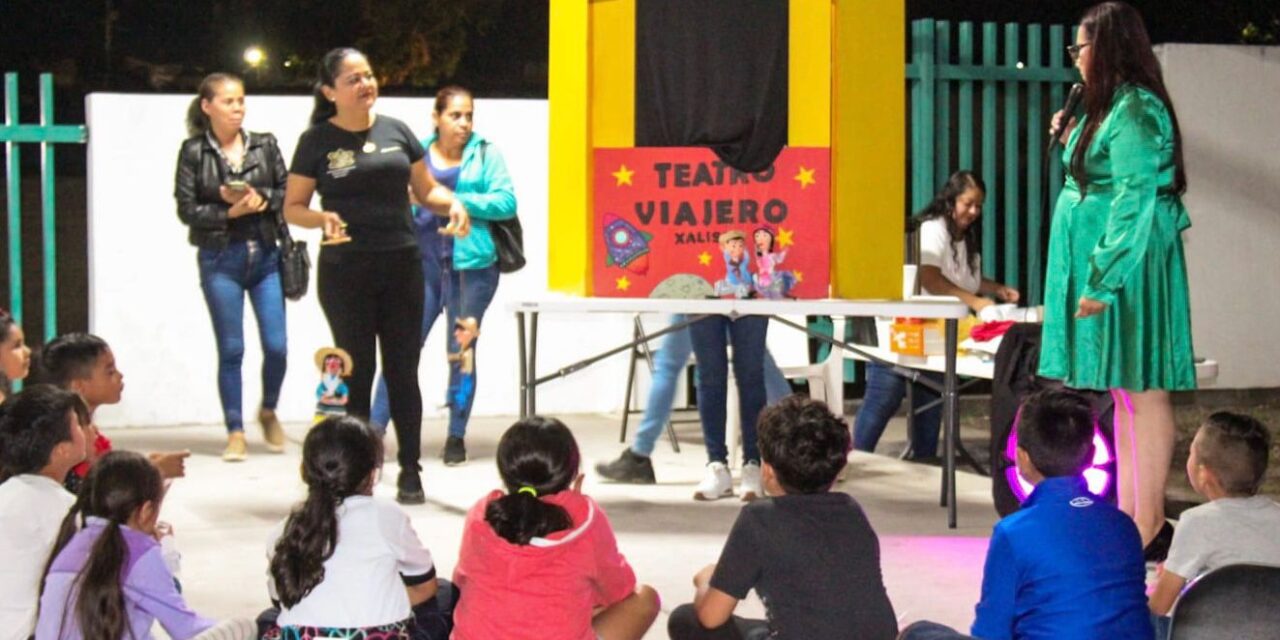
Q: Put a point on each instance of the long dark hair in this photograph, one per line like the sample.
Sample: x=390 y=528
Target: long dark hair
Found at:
x=197 y=120
x=943 y=206
x=326 y=75
x=536 y=457
x=118 y=484
x=1120 y=53
x=338 y=458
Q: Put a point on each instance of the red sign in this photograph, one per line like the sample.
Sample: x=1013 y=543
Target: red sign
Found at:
x=679 y=223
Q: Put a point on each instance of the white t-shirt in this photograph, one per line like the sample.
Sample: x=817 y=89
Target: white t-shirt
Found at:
x=936 y=250
x=1225 y=531
x=362 y=584
x=32 y=508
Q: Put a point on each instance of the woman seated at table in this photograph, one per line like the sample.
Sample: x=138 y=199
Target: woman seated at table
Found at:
x=950 y=265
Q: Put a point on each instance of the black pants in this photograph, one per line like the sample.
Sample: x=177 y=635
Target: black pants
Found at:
x=683 y=625
x=374 y=299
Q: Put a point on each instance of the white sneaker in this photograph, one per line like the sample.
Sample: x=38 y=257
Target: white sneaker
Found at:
x=717 y=483
x=749 y=485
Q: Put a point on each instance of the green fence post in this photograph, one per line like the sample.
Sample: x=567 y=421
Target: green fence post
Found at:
x=1012 y=228
x=942 y=111
x=14 y=177
x=990 y=259
x=1035 y=109
x=928 y=80
x=964 y=106
x=48 y=228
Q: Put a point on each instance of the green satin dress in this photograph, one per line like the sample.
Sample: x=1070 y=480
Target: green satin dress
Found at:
x=1120 y=243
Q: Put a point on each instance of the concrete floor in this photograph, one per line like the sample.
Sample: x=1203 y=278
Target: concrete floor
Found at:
x=221 y=513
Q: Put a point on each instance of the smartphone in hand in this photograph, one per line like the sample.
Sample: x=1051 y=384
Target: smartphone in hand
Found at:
x=238 y=188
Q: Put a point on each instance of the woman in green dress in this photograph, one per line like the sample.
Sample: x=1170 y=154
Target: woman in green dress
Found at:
x=1117 y=315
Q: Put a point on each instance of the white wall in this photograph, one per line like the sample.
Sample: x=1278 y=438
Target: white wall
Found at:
x=145 y=293
x=1227 y=100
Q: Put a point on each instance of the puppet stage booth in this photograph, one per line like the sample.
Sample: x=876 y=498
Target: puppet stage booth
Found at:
x=673 y=123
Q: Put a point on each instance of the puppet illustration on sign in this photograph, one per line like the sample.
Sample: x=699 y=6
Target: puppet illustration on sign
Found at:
x=625 y=245
x=770 y=282
x=331 y=396
x=465 y=332
x=737 y=262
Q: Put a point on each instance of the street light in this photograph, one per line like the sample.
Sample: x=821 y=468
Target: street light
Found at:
x=254 y=56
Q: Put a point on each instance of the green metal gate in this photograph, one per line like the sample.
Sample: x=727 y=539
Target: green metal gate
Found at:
x=46 y=134
x=1015 y=79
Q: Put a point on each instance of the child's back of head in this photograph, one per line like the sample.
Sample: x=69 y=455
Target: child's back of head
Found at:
x=339 y=459
x=1055 y=428
x=38 y=427
x=1236 y=448
x=536 y=457
x=122 y=489
x=804 y=443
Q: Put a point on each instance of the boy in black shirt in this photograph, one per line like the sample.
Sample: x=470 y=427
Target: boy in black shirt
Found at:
x=809 y=553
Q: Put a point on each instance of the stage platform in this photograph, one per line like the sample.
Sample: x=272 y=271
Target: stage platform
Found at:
x=221 y=513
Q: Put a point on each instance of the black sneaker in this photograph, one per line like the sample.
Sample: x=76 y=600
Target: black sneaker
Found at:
x=629 y=467
x=1158 y=549
x=409 y=488
x=455 y=451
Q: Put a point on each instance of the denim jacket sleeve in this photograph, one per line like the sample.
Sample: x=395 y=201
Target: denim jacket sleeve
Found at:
x=486 y=191
x=192 y=212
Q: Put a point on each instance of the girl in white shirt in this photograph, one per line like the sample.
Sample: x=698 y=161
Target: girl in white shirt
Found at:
x=344 y=563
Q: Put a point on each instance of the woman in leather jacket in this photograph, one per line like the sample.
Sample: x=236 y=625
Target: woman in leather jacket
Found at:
x=230 y=192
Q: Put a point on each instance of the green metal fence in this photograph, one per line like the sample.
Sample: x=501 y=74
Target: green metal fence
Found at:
x=983 y=103
x=46 y=134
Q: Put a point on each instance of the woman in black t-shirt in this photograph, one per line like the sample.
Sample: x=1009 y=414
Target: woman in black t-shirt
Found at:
x=369 y=277
x=230 y=189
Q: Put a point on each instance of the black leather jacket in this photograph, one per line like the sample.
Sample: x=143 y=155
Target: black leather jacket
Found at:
x=201 y=171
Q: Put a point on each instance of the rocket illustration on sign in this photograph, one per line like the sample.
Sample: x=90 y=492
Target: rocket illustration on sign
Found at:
x=627 y=246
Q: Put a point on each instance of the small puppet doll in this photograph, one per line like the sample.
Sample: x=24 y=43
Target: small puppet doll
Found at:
x=769 y=281
x=465 y=332
x=737 y=277
x=331 y=396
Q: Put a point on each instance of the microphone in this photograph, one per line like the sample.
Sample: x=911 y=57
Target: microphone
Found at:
x=1073 y=100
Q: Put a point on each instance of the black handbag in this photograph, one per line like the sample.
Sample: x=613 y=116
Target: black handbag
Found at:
x=508 y=236
x=295 y=264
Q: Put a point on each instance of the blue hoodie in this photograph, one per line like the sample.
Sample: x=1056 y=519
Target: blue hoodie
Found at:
x=484 y=188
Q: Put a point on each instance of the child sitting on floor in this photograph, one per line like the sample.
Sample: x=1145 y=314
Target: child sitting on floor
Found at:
x=1227 y=464
x=85 y=364
x=540 y=561
x=344 y=563
x=109 y=580
x=1068 y=565
x=41 y=439
x=809 y=553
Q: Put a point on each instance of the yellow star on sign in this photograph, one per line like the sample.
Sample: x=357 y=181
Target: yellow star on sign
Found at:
x=623 y=283
x=623 y=175
x=799 y=276
x=784 y=238
x=704 y=259
x=805 y=177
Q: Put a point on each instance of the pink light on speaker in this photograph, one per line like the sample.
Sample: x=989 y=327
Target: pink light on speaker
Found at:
x=1097 y=476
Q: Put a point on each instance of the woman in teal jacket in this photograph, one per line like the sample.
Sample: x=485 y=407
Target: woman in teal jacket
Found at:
x=461 y=274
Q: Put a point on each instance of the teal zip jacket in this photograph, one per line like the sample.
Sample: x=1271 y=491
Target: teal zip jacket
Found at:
x=484 y=188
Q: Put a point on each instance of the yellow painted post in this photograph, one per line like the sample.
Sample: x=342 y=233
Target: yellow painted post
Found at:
x=809 y=73
x=613 y=73
x=869 y=149
x=569 y=188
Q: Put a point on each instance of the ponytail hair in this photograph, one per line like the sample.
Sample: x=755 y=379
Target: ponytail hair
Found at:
x=197 y=120
x=339 y=457
x=118 y=485
x=326 y=75
x=536 y=457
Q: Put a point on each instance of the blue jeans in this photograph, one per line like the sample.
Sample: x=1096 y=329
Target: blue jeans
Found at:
x=925 y=630
x=885 y=390
x=468 y=296
x=710 y=336
x=435 y=272
x=668 y=363
x=225 y=277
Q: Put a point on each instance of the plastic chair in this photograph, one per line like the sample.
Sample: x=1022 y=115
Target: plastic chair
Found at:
x=1236 y=601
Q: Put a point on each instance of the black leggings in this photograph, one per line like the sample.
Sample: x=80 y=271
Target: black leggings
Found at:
x=683 y=625
x=374 y=299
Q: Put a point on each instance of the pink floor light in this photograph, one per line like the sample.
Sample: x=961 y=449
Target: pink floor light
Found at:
x=1097 y=475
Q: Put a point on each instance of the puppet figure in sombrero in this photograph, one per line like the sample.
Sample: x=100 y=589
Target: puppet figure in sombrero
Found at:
x=331 y=396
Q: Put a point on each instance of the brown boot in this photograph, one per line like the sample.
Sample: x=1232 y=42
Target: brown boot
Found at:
x=272 y=432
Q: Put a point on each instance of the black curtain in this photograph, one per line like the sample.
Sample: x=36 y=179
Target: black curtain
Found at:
x=713 y=73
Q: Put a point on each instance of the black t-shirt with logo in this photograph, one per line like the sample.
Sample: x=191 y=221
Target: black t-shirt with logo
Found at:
x=364 y=177
x=815 y=562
